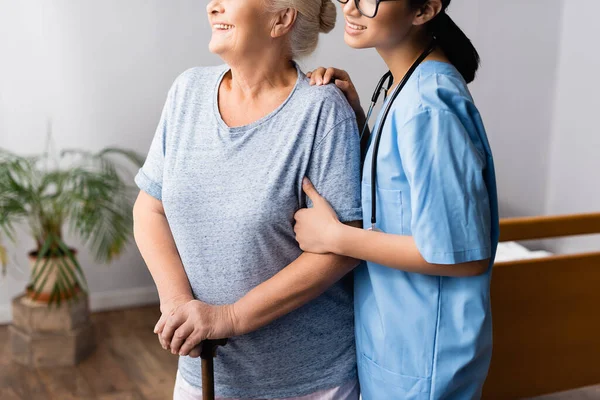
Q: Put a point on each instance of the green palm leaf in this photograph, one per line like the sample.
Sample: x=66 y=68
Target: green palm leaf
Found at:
x=91 y=196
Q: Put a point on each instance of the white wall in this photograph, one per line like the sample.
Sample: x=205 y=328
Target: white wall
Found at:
x=101 y=70
x=518 y=42
x=574 y=174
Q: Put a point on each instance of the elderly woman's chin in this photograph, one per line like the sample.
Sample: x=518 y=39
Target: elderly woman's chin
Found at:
x=218 y=44
x=217 y=47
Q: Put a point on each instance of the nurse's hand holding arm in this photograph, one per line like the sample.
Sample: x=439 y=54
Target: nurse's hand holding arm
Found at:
x=318 y=230
x=185 y=322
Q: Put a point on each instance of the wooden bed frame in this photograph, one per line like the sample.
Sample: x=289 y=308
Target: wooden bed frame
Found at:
x=546 y=313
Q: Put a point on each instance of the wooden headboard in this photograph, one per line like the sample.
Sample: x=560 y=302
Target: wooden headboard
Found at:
x=546 y=313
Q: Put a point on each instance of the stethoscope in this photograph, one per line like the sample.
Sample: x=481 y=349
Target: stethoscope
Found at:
x=389 y=78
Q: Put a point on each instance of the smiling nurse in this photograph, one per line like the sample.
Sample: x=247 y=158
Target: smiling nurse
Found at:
x=422 y=303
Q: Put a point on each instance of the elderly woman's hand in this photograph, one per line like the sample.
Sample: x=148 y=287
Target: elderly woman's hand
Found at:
x=188 y=324
x=168 y=307
x=316 y=227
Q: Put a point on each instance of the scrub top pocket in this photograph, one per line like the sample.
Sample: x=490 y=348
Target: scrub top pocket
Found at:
x=389 y=204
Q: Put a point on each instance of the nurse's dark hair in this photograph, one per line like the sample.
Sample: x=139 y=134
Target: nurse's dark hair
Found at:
x=452 y=41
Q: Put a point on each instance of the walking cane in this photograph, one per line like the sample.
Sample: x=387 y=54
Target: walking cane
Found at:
x=207 y=354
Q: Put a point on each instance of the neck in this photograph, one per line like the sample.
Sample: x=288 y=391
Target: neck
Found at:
x=401 y=57
x=249 y=78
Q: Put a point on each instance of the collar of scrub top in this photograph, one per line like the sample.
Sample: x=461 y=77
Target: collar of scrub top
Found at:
x=389 y=78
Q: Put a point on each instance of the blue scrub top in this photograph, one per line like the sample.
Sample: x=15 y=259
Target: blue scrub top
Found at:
x=418 y=336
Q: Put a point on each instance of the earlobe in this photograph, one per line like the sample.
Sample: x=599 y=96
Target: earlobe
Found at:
x=284 y=22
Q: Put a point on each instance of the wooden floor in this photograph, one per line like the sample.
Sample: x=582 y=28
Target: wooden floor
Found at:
x=129 y=364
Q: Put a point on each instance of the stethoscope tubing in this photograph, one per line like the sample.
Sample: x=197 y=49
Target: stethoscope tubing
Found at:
x=388 y=76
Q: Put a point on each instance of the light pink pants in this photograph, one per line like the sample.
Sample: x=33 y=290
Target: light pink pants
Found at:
x=349 y=391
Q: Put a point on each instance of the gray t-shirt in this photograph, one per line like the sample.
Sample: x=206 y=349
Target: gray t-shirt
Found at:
x=230 y=195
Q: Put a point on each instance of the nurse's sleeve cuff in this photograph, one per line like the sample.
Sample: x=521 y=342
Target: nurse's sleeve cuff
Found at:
x=458 y=257
x=148 y=185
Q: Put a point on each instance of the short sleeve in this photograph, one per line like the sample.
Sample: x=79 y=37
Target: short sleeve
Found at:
x=150 y=177
x=334 y=169
x=450 y=205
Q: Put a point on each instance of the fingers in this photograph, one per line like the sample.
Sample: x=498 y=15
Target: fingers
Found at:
x=191 y=343
x=310 y=190
x=160 y=324
x=298 y=215
x=344 y=86
x=174 y=321
x=158 y=329
x=324 y=76
x=329 y=74
x=317 y=76
x=162 y=344
x=180 y=336
x=196 y=351
x=343 y=75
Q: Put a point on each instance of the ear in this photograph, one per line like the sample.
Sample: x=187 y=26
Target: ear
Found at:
x=428 y=12
x=284 y=22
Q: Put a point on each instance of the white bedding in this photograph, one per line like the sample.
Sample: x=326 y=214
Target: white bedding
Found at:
x=512 y=251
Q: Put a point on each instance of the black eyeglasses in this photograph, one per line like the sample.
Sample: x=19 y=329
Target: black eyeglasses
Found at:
x=368 y=8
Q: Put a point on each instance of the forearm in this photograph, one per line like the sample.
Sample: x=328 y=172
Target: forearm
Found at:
x=396 y=251
x=300 y=282
x=157 y=246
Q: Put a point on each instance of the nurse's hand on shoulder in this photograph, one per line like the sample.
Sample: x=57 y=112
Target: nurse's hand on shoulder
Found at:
x=316 y=227
x=187 y=325
x=339 y=77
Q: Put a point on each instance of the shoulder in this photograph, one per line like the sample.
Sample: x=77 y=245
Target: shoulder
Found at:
x=437 y=107
x=437 y=89
x=326 y=106
x=442 y=112
x=197 y=77
x=328 y=99
x=191 y=87
x=442 y=88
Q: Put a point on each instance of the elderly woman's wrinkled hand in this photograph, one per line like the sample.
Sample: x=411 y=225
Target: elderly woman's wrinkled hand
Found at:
x=168 y=307
x=184 y=328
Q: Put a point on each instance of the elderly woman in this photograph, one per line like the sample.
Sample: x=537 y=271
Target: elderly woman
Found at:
x=214 y=218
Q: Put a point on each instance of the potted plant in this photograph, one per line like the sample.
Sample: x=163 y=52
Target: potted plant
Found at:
x=82 y=191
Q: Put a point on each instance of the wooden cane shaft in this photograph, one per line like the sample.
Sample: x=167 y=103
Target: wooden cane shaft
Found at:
x=208 y=379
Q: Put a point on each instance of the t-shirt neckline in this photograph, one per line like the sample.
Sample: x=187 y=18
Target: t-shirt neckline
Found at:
x=252 y=125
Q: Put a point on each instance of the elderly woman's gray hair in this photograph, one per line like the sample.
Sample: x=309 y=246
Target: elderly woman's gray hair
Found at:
x=314 y=17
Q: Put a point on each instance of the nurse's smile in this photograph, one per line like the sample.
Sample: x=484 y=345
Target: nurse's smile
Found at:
x=422 y=312
x=354 y=29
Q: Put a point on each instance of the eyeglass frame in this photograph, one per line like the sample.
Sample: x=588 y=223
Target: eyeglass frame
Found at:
x=356 y=2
